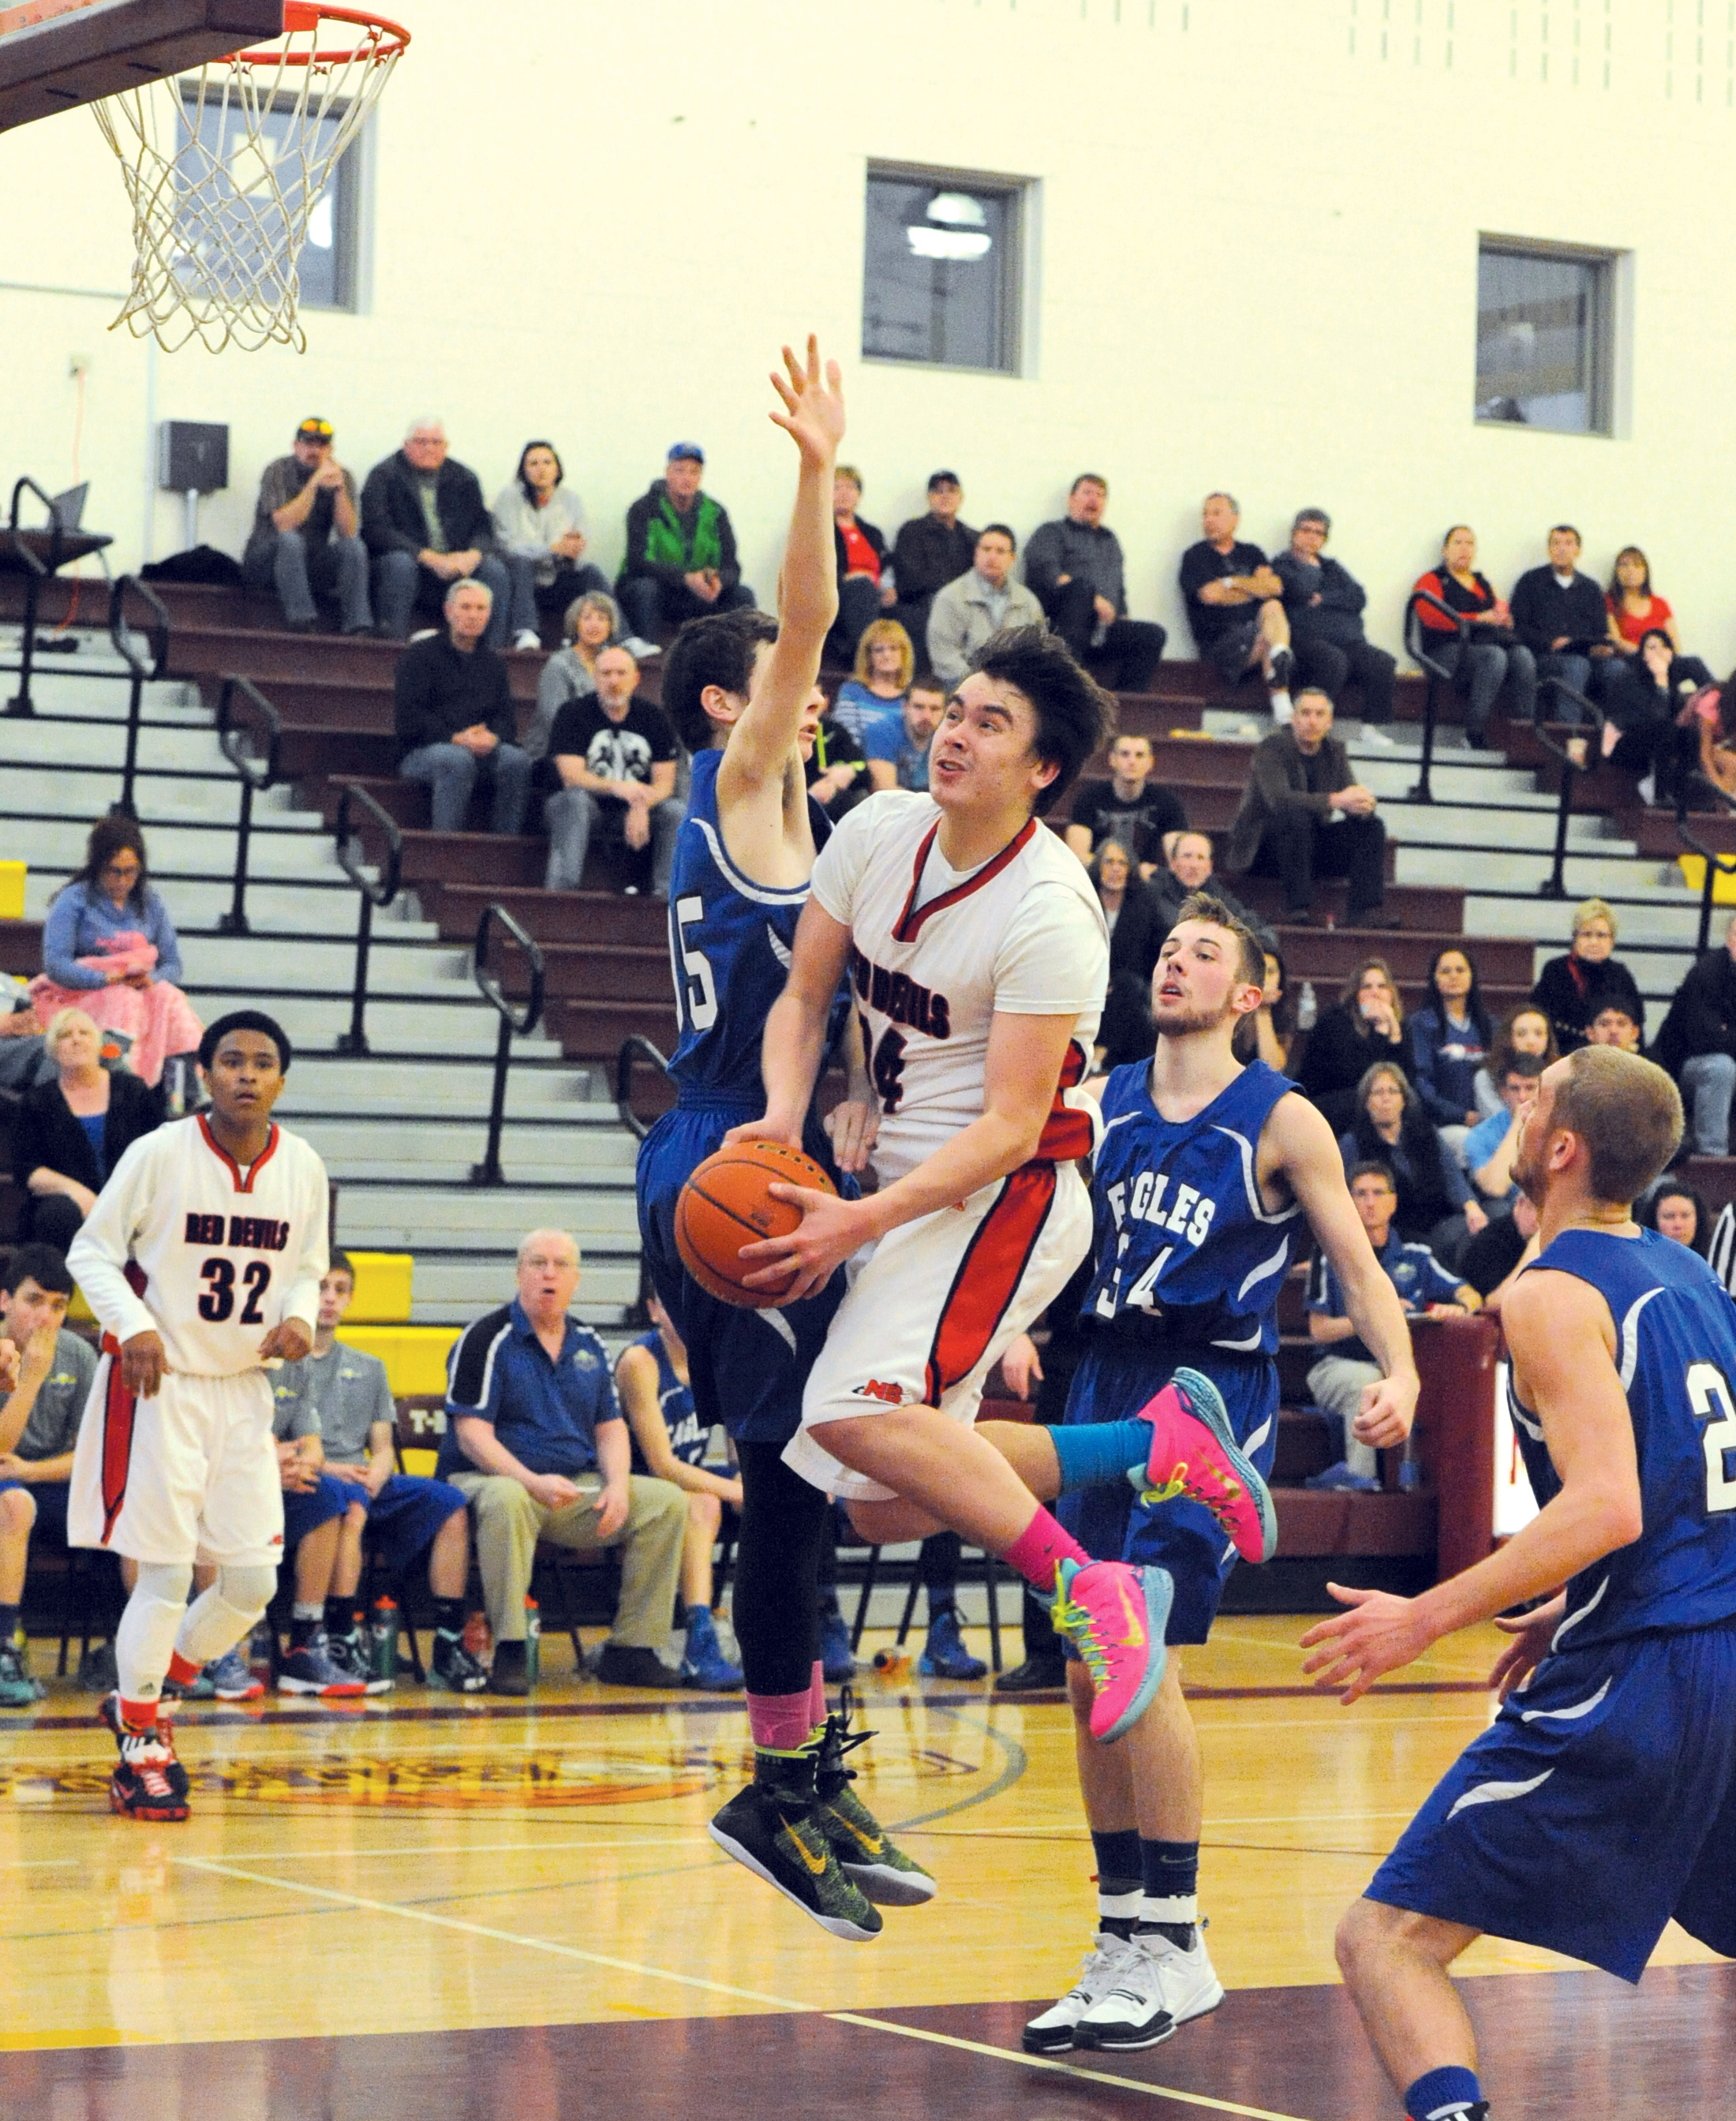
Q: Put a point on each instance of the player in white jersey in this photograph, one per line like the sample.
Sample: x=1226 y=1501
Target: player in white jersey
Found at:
x=978 y=957
x=202 y=1261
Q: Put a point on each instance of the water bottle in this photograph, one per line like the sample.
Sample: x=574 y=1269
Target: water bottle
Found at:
x=532 y=1639
x=383 y=1640
x=1307 y=1008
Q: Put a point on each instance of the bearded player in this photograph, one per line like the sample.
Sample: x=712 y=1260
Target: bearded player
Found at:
x=202 y=1261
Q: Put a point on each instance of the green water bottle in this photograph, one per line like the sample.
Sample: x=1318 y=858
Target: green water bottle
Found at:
x=532 y=1639
x=383 y=1640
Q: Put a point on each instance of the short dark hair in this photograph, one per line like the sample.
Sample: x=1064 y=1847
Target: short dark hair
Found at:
x=1569 y=530
x=925 y=681
x=1369 y=1168
x=40 y=1263
x=1319 y=692
x=997 y=530
x=1088 y=478
x=1313 y=516
x=717 y=649
x=1206 y=906
x=1526 y=1066
x=246 y=1019
x=1073 y=713
x=340 y=1263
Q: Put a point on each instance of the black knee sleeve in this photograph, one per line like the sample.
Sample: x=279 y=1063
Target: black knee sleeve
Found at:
x=776 y=1610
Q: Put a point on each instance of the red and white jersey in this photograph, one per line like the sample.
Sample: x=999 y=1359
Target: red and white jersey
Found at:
x=224 y=1254
x=937 y=952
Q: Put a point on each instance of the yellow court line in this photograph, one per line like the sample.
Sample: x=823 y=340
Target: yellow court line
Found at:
x=433 y=1921
x=1060 y=2068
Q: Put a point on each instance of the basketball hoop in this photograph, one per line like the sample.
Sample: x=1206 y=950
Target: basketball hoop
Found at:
x=227 y=167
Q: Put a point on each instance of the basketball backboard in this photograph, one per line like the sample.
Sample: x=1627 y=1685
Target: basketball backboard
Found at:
x=55 y=54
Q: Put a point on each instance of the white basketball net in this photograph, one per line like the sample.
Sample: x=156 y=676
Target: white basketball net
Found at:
x=227 y=167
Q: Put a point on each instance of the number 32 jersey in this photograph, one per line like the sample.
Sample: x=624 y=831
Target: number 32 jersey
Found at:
x=225 y=1254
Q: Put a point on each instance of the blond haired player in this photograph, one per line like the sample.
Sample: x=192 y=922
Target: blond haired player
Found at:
x=202 y=1260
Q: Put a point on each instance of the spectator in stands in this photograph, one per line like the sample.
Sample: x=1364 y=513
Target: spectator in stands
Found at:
x=1612 y=1025
x=1075 y=566
x=1492 y=655
x=452 y=714
x=1365 y=1024
x=71 y=1132
x=885 y=662
x=22 y=1059
x=1137 y=933
x=1524 y=1029
x=38 y=1427
x=1710 y=722
x=611 y=762
x=1490 y=1146
x=897 y=751
x=535 y=1439
x=540 y=530
x=929 y=552
x=1304 y=815
x=986 y=601
x=1636 y=611
x=1189 y=868
x=1449 y=1042
x=680 y=560
x=1495 y=1255
x=1677 y=1212
x=1560 y=615
x=837 y=767
x=590 y=624
x=1324 y=603
x=110 y=948
x=1274 y=1021
x=1427 y=1289
x=1653 y=731
x=669 y=1444
x=1574 y=988
x=313 y=1504
x=1235 y=605
x=424 y=519
x=1436 y=1206
x=864 y=573
x=1697 y=1043
x=305 y=540
x=407 y=1518
x=1129 y=806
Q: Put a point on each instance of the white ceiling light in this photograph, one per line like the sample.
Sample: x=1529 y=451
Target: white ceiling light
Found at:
x=948 y=242
x=958 y=210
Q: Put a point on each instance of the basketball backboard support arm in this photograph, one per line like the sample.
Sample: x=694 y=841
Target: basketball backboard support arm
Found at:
x=57 y=53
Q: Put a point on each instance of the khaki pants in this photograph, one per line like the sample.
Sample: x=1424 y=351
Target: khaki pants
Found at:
x=508 y=1523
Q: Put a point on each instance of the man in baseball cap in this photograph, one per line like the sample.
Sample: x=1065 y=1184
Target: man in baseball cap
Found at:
x=929 y=552
x=305 y=540
x=681 y=560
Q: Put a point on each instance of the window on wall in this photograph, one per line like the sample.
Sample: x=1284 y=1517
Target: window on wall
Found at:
x=1545 y=336
x=942 y=269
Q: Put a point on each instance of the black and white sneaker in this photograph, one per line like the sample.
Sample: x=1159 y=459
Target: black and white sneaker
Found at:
x=785 y=1844
x=1283 y=669
x=1054 y=2031
x=453 y=1668
x=1158 y=1986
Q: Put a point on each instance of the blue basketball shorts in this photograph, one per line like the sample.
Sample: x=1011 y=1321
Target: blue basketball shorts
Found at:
x=303 y=1513
x=1114 y=1381
x=404 y=1518
x=747 y=1368
x=1601 y=1803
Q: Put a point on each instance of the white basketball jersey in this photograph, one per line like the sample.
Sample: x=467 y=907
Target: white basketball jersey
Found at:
x=225 y=1256
x=937 y=952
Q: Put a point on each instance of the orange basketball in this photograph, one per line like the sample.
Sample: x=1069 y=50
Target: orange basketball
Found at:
x=724 y=1205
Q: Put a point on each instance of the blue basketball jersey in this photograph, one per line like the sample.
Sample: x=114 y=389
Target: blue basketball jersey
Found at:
x=1676 y=1353
x=1183 y=1242
x=729 y=940
x=688 y=1437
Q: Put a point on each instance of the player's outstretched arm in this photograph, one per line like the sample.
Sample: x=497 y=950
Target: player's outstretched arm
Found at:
x=1311 y=1165
x=762 y=739
x=1561 y=1340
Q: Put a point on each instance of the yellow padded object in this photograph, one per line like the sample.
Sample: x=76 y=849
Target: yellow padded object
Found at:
x=12 y=876
x=382 y=1294
x=415 y=1356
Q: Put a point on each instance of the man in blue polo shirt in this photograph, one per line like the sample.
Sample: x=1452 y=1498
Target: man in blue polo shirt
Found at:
x=536 y=1441
x=1336 y=1382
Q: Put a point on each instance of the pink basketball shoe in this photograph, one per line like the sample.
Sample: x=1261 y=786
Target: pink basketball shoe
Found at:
x=1114 y=1615
x=1194 y=1453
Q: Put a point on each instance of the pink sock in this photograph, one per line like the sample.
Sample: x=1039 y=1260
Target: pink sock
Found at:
x=781 y=1721
x=817 y=1696
x=1039 y=1549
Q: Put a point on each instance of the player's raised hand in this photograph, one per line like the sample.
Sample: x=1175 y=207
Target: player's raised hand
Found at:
x=1380 y=1633
x=291 y=1341
x=1532 y=1633
x=1387 y=1409
x=829 y=1231
x=814 y=404
x=144 y=1364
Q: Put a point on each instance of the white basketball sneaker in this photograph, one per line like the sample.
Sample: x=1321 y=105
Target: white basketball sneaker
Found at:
x=1157 y=1987
x=1052 y=2031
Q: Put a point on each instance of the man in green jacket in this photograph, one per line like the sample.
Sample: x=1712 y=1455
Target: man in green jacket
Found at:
x=680 y=562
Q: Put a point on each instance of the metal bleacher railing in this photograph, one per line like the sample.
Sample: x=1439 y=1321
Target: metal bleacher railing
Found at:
x=1717 y=864
x=488 y=1171
x=1440 y=677
x=634 y=1048
x=376 y=890
x=237 y=741
x=1591 y=728
x=141 y=670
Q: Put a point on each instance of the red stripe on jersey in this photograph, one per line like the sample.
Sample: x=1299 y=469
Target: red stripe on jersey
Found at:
x=908 y=924
x=119 y=1407
x=988 y=1277
x=263 y=1157
x=1067 y=1134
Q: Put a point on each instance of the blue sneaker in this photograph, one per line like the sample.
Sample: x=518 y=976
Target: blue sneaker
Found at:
x=231 y=1678
x=18 y=1689
x=944 y=1654
x=837 y=1659
x=703 y=1663
x=1340 y=1478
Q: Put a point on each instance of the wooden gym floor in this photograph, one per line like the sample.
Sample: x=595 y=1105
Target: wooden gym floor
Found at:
x=422 y=1907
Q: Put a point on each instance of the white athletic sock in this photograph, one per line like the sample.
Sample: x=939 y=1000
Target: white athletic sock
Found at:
x=145 y=1639
x=1172 y=1908
x=1117 y=1907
